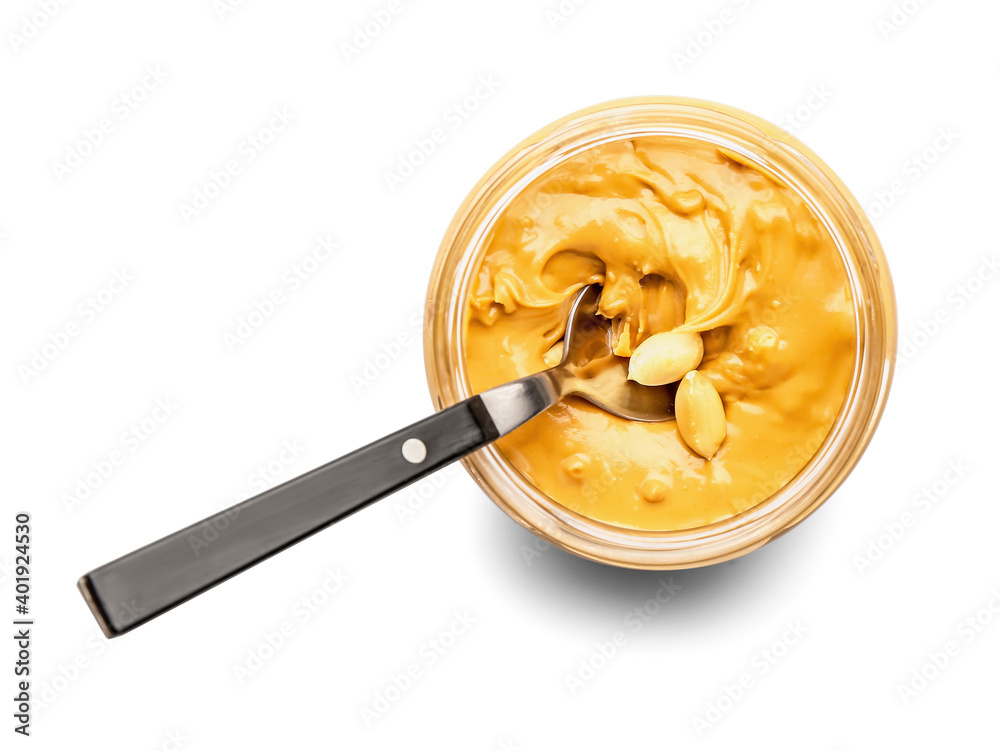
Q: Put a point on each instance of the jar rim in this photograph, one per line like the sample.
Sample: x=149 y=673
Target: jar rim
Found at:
x=784 y=158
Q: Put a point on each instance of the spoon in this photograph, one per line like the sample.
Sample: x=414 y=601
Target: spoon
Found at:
x=139 y=586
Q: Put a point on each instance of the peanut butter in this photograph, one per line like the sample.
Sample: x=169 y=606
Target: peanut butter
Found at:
x=684 y=239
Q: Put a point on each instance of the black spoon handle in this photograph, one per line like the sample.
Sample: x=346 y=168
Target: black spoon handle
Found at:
x=139 y=586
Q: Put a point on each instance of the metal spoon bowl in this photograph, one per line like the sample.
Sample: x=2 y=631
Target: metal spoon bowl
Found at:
x=589 y=369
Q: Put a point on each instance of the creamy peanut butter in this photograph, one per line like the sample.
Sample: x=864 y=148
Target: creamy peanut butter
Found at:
x=685 y=239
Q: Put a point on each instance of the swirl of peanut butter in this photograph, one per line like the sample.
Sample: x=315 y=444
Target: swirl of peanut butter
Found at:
x=683 y=237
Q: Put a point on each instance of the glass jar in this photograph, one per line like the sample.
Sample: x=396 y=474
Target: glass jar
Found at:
x=775 y=153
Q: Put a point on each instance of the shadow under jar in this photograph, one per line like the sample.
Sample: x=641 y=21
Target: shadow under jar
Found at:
x=773 y=153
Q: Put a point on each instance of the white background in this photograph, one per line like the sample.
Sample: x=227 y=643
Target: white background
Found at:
x=888 y=85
